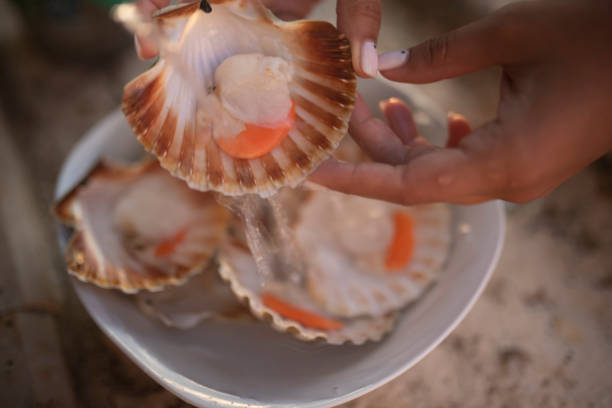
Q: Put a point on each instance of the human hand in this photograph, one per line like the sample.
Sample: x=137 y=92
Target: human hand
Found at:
x=283 y=9
x=553 y=114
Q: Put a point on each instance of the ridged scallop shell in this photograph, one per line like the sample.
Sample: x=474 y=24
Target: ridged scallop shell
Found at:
x=161 y=105
x=106 y=251
x=345 y=285
x=205 y=296
x=238 y=267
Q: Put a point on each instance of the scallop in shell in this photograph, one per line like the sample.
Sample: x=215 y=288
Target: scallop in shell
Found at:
x=239 y=101
x=205 y=296
x=368 y=257
x=137 y=228
x=290 y=309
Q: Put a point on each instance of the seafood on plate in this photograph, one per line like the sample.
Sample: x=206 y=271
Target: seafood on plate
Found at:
x=137 y=227
x=289 y=308
x=368 y=257
x=239 y=101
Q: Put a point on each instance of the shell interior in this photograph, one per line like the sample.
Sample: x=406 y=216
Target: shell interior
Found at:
x=350 y=282
x=238 y=267
x=137 y=227
x=165 y=108
x=204 y=297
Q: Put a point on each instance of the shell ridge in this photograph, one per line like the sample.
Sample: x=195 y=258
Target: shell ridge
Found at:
x=317 y=53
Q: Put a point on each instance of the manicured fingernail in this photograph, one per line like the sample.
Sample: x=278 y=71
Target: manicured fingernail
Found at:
x=138 y=47
x=455 y=116
x=385 y=102
x=392 y=59
x=369 y=58
x=382 y=105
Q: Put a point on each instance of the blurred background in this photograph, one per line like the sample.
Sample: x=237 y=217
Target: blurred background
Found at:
x=541 y=335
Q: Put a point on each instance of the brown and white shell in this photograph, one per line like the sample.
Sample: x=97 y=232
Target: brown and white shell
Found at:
x=238 y=267
x=162 y=106
x=349 y=285
x=122 y=216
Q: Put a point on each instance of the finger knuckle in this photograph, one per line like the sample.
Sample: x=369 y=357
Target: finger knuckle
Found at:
x=365 y=10
x=510 y=26
x=436 y=50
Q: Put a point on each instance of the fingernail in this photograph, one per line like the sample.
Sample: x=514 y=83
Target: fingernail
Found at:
x=392 y=59
x=369 y=59
x=138 y=47
x=382 y=105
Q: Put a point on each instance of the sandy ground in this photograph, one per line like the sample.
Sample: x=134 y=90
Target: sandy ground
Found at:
x=541 y=334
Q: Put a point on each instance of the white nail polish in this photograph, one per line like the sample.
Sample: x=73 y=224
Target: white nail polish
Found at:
x=138 y=47
x=369 y=59
x=392 y=59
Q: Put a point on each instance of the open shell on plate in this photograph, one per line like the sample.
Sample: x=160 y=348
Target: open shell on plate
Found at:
x=289 y=308
x=198 y=118
x=367 y=257
x=137 y=227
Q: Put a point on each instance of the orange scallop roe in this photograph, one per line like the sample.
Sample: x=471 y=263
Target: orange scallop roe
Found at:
x=168 y=247
x=255 y=140
x=401 y=248
x=302 y=316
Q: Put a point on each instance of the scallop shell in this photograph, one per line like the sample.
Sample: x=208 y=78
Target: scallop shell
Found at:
x=347 y=285
x=205 y=296
x=117 y=234
x=162 y=106
x=238 y=267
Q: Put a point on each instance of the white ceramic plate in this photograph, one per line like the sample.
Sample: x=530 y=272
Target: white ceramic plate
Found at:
x=248 y=364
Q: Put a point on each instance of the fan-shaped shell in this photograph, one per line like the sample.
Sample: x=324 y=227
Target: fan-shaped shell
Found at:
x=137 y=228
x=163 y=104
x=205 y=296
x=238 y=267
x=349 y=285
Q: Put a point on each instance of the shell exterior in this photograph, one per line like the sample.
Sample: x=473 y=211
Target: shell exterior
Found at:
x=117 y=213
x=162 y=105
x=348 y=285
x=204 y=297
x=238 y=267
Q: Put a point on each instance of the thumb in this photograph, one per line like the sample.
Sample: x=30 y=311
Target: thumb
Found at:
x=359 y=20
x=470 y=48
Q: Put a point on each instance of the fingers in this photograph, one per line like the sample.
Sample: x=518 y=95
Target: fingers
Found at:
x=468 y=49
x=445 y=175
x=146 y=49
x=400 y=119
x=373 y=180
x=375 y=137
x=458 y=128
x=359 y=20
x=475 y=172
